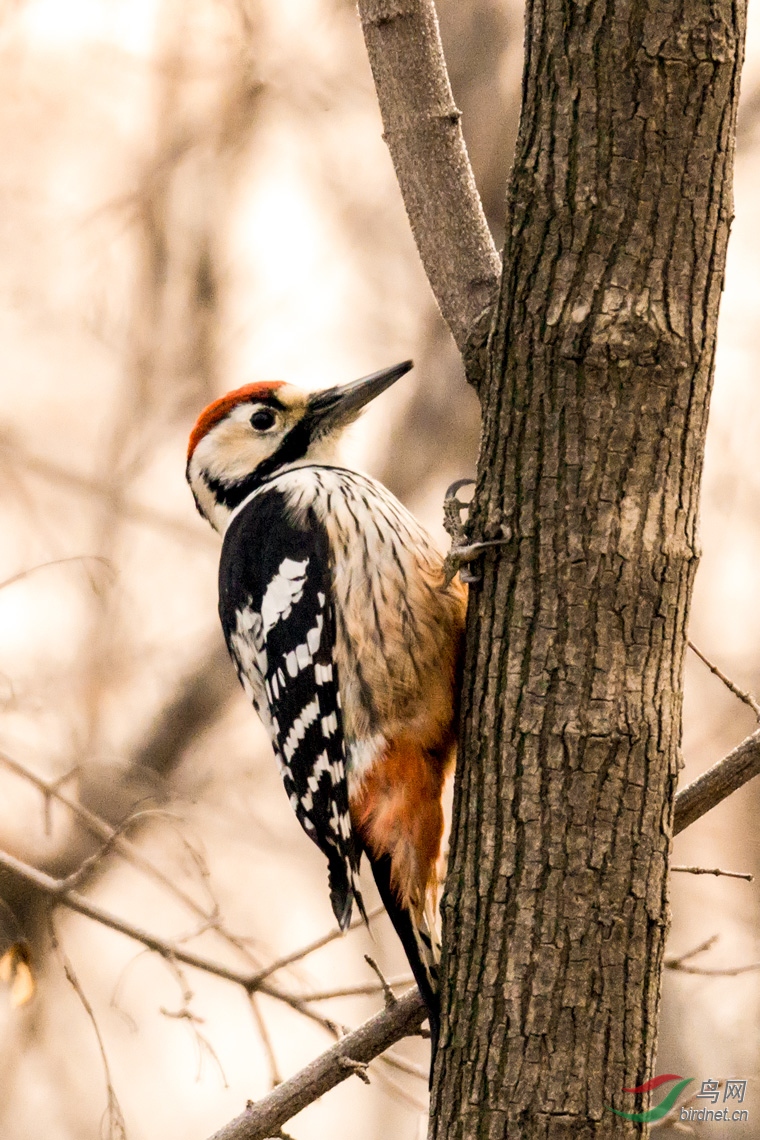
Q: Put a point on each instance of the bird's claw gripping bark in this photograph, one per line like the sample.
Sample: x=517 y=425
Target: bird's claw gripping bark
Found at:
x=462 y=552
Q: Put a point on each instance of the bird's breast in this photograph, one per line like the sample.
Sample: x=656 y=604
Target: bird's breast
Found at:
x=398 y=629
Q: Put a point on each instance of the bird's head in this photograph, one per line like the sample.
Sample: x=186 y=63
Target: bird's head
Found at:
x=260 y=430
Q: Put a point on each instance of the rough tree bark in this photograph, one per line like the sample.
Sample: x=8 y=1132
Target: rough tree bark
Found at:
x=595 y=403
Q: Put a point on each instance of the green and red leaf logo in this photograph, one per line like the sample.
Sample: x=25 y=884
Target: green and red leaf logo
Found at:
x=665 y=1105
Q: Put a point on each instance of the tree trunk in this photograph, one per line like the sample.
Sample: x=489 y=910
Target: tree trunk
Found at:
x=595 y=404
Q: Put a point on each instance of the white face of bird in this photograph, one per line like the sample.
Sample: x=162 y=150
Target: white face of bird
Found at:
x=235 y=436
x=263 y=429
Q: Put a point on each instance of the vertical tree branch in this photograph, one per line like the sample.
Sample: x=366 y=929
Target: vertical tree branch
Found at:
x=422 y=130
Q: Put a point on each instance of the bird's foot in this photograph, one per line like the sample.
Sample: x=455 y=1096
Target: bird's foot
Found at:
x=462 y=552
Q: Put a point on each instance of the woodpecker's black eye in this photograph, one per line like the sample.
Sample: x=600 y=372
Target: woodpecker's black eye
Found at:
x=263 y=419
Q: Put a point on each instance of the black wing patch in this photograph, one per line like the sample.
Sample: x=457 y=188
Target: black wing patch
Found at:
x=276 y=607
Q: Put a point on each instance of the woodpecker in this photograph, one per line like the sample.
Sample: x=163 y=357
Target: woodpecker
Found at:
x=346 y=638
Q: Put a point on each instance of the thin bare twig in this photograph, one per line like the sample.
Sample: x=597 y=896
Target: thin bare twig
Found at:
x=746 y=697
x=400 y=1090
x=111 y=837
x=63 y=477
x=116 y=1127
x=114 y=839
x=404 y=1066
x=679 y=963
x=715 y=871
x=55 y=889
x=317 y=944
x=669 y=1123
x=82 y=559
x=388 y=995
x=91 y=862
x=703 y=946
x=714 y=972
x=193 y=1021
x=264 y=1118
x=361 y=989
x=275 y=1077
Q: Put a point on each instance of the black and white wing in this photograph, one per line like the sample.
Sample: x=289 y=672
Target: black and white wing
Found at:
x=276 y=607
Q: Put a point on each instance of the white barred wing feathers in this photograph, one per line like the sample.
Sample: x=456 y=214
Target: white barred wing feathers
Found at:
x=277 y=612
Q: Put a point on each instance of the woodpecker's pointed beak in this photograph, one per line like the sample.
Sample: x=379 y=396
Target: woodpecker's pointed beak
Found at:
x=336 y=407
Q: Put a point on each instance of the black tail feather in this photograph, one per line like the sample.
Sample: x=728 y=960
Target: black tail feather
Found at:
x=344 y=892
x=402 y=921
x=343 y=878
